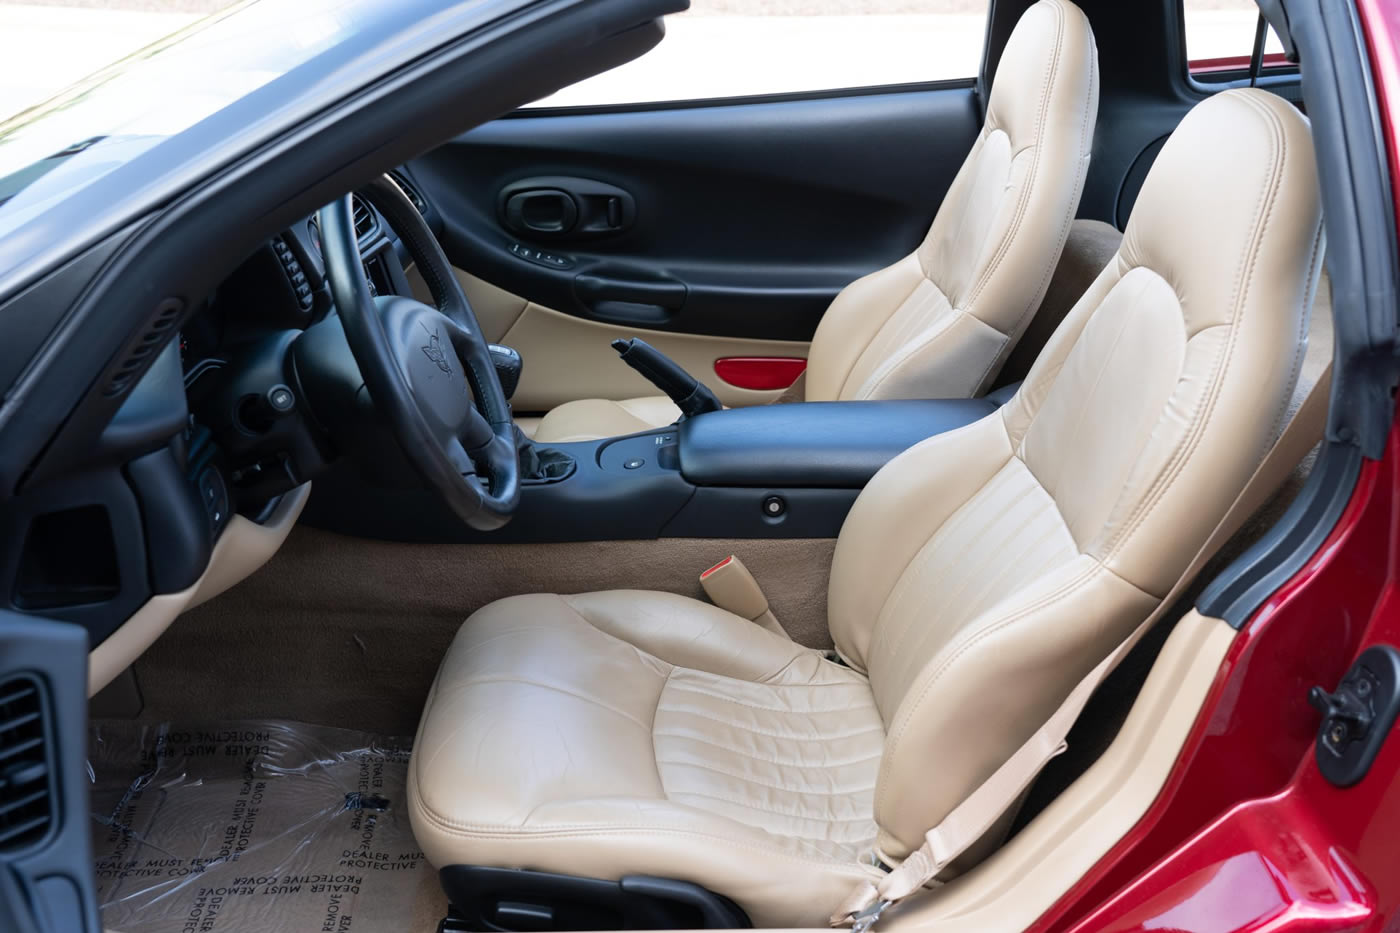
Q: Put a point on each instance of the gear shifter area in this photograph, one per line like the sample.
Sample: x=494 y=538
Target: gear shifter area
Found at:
x=508 y=365
x=538 y=465
x=543 y=464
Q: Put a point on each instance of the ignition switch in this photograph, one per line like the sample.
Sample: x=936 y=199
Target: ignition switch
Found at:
x=1358 y=715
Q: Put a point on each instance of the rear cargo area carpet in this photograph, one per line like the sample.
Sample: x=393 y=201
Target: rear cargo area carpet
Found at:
x=255 y=826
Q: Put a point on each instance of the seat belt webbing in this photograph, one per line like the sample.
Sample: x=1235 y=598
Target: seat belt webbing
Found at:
x=979 y=811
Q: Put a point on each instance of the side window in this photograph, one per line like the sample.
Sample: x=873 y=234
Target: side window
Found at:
x=741 y=48
x=1220 y=38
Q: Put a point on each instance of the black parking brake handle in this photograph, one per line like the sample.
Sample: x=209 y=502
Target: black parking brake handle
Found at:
x=691 y=395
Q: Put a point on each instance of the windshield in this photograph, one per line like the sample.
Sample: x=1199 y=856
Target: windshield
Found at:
x=110 y=118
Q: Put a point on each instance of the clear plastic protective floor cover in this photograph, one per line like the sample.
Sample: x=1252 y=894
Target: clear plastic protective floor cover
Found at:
x=255 y=826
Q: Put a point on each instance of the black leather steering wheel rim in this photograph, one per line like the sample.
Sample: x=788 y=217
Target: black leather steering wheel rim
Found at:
x=473 y=464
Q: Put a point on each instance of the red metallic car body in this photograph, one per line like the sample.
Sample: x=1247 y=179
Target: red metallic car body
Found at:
x=1247 y=835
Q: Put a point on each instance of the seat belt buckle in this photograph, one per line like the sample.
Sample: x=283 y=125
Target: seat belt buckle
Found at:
x=865 y=919
x=731 y=587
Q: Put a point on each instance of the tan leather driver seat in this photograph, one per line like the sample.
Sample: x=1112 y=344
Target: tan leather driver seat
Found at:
x=940 y=322
x=978 y=577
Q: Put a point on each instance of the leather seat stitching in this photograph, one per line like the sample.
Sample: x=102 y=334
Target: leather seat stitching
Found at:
x=1019 y=561
x=830 y=736
x=844 y=676
x=840 y=792
x=894 y=309
x=655 y=712
x=914 y=554
x=1066 y=590
x=772 y=811
x=909 y=348
x=792 y=815
x=1188 y=444
x=755 y=756
x=684 y=688
x=1105 y=359
x=1243 y=276
x=771 y=681
x=966 y=205
x=883 y=634
x=1047 y=84
x=1085 y=147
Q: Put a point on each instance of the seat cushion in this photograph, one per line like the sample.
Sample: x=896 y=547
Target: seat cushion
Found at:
x=589 y=419
x=631 y=732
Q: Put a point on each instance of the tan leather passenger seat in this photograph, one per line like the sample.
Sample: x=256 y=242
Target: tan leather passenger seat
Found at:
x=978 y=577
x=940 y=322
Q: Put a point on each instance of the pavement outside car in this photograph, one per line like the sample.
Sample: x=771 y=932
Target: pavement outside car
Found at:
x=719 y=48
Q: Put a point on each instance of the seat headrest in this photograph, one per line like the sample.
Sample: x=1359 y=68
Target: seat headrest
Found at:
x=1234 y=168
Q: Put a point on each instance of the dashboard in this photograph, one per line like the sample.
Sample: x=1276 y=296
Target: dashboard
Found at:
x=205 y=467
x=247 y=418
x=282 y=286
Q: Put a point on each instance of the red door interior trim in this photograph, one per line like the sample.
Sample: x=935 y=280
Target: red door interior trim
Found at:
x=760 y=373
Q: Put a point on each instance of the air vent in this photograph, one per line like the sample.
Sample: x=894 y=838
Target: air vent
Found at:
x=410 y=192
x=365 y=222
x=145 y=346
x=26 y=808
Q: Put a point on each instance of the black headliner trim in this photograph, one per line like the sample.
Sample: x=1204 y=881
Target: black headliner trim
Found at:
x=864 y=90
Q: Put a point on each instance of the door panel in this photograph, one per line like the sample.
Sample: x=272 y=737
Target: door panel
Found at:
x=570 y=357
x=712 y=231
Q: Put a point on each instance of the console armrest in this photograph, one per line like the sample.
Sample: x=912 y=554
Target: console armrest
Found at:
x=828 y=445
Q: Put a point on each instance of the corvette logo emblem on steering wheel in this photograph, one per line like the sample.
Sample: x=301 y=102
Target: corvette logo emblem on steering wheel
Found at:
x=434 y=352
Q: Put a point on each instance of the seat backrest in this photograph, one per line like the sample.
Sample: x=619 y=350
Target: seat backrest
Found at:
x=939 y=322
x=984 y=572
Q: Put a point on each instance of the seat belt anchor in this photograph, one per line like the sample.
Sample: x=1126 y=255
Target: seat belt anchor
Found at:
x=863 y=920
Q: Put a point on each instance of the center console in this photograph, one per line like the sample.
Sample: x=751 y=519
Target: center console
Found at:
x=773 y=471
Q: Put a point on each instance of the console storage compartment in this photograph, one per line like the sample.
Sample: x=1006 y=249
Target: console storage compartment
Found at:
x=823 y=445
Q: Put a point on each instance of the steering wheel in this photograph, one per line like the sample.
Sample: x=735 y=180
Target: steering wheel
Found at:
x=428 y=369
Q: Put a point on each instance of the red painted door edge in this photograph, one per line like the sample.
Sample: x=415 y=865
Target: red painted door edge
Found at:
x=1255 y=726
x=1235 y=63
x=760 y=373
